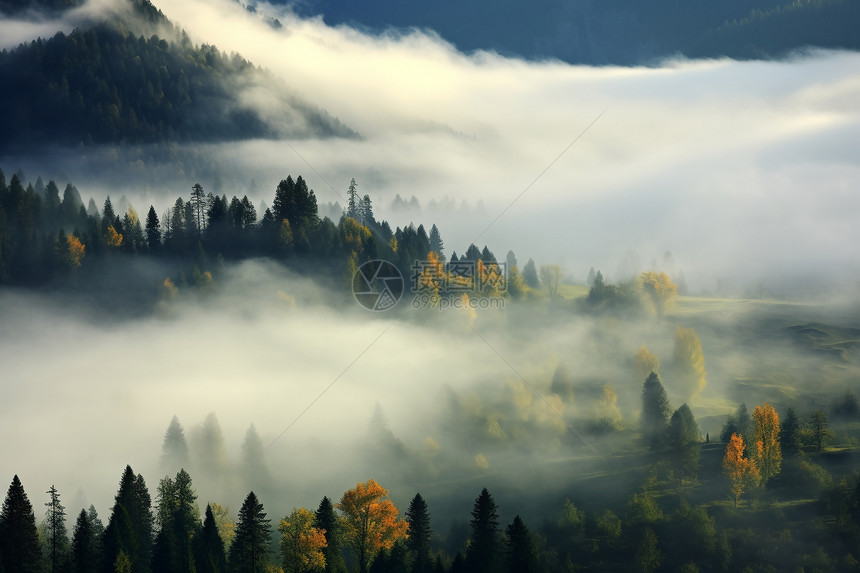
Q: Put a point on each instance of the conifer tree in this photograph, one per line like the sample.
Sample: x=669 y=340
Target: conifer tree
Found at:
x=19 y=538
x=655 y=411
x=326 y=519
x=174 y=449
x=683 y=442
x=84 y=547
x=153 y=230
x=482 y=555
x=209 y=547
x=521 y=553
x=789 y=434
x=418 y=542
x=56 y=534
x=128 y=535
x=249 y=552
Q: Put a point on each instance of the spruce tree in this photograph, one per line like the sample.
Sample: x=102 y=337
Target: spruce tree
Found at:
x=655 y=411
x=209 y=547
x=683 y=441
x=84 y=548
x=482 y=555
x=174 y=449
x=418 y=542
x=19 y=539
x=249 y=552
x=56 y=534
x=128 y=535
x=326 y=519
x=521 y=555
x=789 y=434
x=153 y=230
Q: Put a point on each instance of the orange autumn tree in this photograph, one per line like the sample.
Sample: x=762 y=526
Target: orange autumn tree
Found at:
x=301 y=542
x=75 y=252
x=767 y=452
x=742 y=472
x=370 y=521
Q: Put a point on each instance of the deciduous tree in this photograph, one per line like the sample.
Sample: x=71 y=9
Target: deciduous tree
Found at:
x=741 y=472
x=689 y=362
x=767 y=453
x=302 y=543
x=659 y=289
x=370 y=521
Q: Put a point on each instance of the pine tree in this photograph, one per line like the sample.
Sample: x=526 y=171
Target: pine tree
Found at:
x=418 y=542
x=530 y=274
x=326 y=519
x=436 y=244
x=174 y=449
x=655 y=411
x=108 y=215
x=19 y=538
x=129 y=530
x=209 y=547
x=56 y=534
x=683 y=441
x=352 y=205
x=153 y=230
x=482 y=555
x=521 y=553
x=199 y=202
x=84 y=548
x=789 y=434
x=249 y=552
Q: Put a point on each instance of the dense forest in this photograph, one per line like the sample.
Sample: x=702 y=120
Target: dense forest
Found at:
x=786 y=503
x=137 y=81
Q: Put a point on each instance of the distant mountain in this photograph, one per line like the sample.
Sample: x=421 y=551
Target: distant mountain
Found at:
x=140 y=81
x=621 y=32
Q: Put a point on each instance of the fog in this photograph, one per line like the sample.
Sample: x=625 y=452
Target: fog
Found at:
x=745 y=171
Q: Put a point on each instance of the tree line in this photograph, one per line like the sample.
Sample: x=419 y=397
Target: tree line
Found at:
x=50 y=237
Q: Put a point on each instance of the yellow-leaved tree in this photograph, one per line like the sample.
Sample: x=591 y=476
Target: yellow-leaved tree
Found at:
x=645 y=362
x=767 y=452
x=75 y=252
x=370 y=521
x=742 y=472
x=112 y=238
x=689 y=362
x=659 y=288
x=301 y=542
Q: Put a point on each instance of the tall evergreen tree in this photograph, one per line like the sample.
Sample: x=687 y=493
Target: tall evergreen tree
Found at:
x=19 y=538
x=174 y=449
x=209 y=556
x=482 y=555
x=789 y=434
x=249 y=552
x=530 y=274
x=199 y=203
x=655 y=411
x=683 y=441
x=436 y=244
x=129 y=530
x=179 y=524
x=418 y=542
x=108 y=215
x=352 y=205
x=521 y=555
x=153 y=230
x=84 y=548
x=56 y=535
x=326 y=519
